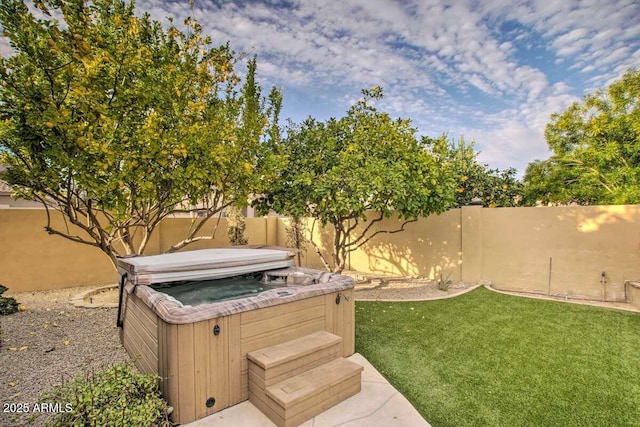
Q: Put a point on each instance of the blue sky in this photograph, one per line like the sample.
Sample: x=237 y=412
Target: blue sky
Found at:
x=493 y=71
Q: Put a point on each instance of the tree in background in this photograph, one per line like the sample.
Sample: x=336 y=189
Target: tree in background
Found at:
x=495 y=187
x=296 y=236
x=119 y=123
x=336 y=171
x=236 y=226
x=596 y=150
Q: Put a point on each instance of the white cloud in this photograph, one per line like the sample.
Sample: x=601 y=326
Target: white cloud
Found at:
x=5 y=48
x=516 y=136
x=449 y=65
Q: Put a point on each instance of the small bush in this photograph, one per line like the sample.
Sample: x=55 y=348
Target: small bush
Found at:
x=8 y=305
x=444 y=282
x=236 y=225
x=119 y=395
x=296 y=236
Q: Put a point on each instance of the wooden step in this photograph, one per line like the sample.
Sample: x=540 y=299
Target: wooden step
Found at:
x=291 y=402
x=271 y=365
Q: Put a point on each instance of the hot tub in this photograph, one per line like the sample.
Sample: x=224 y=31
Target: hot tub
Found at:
x=199 y=348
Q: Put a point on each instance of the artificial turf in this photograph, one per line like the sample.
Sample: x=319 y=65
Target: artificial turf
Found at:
x=488 y=359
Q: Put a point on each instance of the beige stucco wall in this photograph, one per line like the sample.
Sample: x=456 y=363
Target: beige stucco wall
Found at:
x=31 y=259
x=428 y=247
x=509 y=246
x=309 y=256
x=581 y=242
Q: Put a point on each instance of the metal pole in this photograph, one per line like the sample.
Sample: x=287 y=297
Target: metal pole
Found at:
x=549 y=281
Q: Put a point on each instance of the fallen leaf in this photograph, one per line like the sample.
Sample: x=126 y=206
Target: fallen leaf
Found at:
x=65 y=342
x=22 y=307
x=45 y=325
x=24 y=347
x=13 y=348
x=12 y=384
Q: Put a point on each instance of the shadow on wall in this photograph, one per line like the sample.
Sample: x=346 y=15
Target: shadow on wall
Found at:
x=323 y=237
x=428 y=247
x=574 y=251
x=594 y=218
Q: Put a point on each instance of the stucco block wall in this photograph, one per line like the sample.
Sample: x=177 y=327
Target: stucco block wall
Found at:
x=548 y=250
x=560 y=250
x=512 y=247
x=427 y=248
x=308 y=255
x=31 y=259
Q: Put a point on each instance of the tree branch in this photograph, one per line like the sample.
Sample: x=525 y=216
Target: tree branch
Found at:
x=382 y=232
x=191 y=238
x=317 y=248
x=366 y=230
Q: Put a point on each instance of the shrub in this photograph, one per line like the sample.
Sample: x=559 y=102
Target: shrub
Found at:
x=119 y=395
x=236 y=225
x=8 y=305
x=444 y=282
x=296 y=236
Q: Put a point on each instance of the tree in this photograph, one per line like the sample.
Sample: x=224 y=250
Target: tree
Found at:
x=495 y=187
x=295 y=236
x=596 y=150
x=236 y=226
x=119 y=123
x=336 y=171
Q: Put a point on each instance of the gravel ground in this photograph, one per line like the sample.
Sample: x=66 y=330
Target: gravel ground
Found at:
x=48 y=342
x=378 y=288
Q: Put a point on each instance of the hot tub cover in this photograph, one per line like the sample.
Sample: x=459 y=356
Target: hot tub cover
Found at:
x=202 y=264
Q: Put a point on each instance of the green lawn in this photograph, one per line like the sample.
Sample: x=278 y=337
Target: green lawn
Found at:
x=487 y=359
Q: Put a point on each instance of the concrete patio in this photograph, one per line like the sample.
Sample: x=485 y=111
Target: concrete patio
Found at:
x=379 y=404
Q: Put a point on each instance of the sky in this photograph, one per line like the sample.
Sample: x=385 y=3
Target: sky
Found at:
x=493 y=71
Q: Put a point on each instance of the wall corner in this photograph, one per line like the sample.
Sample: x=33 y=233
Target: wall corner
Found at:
x=471 y=243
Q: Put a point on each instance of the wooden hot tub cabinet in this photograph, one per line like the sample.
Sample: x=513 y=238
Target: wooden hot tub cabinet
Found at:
x=203 y=366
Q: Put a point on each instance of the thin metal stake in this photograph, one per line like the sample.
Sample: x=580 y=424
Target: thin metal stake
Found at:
x=549 y=282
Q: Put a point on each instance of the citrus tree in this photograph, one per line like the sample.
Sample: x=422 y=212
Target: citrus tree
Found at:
x=336 y=172
x=494 y=187
x=119 y=123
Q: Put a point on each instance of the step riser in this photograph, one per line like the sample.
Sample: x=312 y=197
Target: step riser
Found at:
x=332 y=398
x=294 y=381
x=296 y=389
x=294 y=367
x=281 y=353
x=308 y=408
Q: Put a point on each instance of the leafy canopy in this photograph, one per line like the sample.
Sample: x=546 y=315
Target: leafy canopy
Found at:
x=494 y=187
x=596 y=150
x=337 y=171
x=118 y=123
